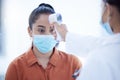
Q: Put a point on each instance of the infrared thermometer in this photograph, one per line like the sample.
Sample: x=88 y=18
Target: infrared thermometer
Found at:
x=56 y=17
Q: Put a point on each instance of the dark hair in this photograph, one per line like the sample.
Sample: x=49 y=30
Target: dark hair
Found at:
x=114 y=3
x=43 y=8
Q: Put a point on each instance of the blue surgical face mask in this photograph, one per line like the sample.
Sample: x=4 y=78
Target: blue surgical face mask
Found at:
x=44 y=43
x=107 y=27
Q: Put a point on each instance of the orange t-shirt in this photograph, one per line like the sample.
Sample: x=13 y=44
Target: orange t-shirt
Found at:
x=61 y=66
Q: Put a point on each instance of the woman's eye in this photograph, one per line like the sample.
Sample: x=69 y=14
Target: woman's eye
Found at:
x=41 y=30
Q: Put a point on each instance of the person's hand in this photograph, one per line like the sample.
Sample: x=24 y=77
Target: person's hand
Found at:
x=62 y=30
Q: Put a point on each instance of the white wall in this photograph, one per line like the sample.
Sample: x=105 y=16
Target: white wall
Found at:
x=81 y=16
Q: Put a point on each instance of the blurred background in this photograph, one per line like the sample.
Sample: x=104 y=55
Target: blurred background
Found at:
x=80 y=16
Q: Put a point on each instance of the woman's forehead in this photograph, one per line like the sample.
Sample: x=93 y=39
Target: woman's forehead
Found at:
x=43 y=17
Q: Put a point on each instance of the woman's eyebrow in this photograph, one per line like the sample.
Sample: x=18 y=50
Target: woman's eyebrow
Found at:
x=41 y=26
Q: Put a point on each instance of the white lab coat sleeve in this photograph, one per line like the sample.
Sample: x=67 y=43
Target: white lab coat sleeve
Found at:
x=79 y=45
x=95 y=70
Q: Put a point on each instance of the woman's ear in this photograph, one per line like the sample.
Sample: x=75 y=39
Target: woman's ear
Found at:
x=30 y=31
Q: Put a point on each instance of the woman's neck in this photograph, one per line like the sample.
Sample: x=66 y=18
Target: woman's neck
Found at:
x=43 y=59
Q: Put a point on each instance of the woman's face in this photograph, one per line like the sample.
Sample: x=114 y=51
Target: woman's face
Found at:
x=42 y=26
